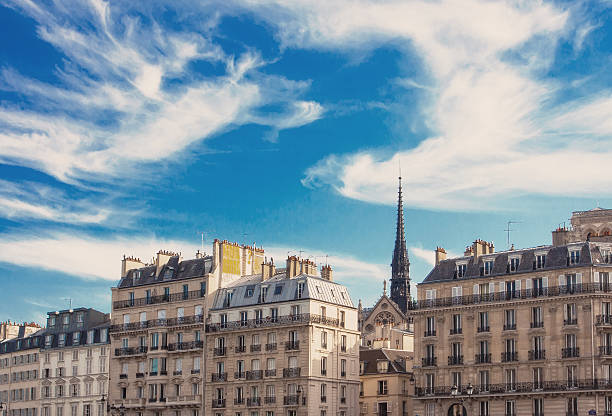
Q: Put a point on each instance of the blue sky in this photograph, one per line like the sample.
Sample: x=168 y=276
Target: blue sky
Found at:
x=128 y=127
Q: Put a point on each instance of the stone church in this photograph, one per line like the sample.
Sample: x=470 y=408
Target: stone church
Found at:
x=386 y=325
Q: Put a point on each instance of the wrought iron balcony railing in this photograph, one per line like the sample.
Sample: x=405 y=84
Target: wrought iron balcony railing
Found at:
x=482 y=358
x=570 y=352
x=254 y=375
x=154 y=323
x=216 y=377
x=291 y=372
x=509 y=356
x=537 y=355
x=152 y=300
x=218 y=403
x=304 y=318
x=455 y=359
x=429 y=361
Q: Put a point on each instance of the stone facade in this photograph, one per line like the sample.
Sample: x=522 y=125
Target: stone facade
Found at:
x=283 y=344
x=515 y=333
x=387 y=383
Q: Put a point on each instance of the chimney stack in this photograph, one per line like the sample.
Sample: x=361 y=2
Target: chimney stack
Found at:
x=440 y=255
x=267 y=269
x=162 y=259
x=327 y=273
x=198 y=255
x=130 y=263
x=292 y=269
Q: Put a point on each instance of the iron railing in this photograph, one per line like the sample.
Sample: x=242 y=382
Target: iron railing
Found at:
x=304 y=318
x=151 y=300
x=153 y=323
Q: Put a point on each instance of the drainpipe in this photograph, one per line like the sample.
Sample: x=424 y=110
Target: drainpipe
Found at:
x=593 y=345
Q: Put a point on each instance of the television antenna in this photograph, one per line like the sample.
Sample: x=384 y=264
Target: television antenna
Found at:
x=69 y=302
x=508 y=230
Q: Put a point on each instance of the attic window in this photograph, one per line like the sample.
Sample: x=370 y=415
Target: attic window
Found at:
x=513 y=265
x=343 y=295
x=488 y=267
x=461 y=269
x=249 y=291
x=319 y=289
x=333 y=293
x=278 y=289
x=136 y=274
x=168 y=273
x=574 y=257
x=382 y=366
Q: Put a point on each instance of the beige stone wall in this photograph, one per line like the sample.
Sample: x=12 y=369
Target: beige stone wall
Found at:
x=74 y=380
x=20 y=387
x=308 y=356
x=398 y=398
x=589 y=335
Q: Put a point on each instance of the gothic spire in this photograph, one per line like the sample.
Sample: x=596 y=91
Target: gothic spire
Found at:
x=400 y=267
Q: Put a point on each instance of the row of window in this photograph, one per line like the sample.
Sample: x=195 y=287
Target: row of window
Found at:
x=75 y=354
x=75 y=338
x=19 y=359
x=79 y=318
x=74 y=410
x=159 y=391
x=74 y=390
x=161 y=314
x=160 y=366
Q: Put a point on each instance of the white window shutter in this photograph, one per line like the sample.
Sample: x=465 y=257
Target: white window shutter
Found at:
x=517 y=285
x=460 y=289
x=433 y=293
x=491 y=288
x=561 y=280
x=476 y=289
x=579 y=278
x=454 y=291
x=528 y=284
x=545 y=282
x=596 y=278
x=428 y=294
x=501 y=286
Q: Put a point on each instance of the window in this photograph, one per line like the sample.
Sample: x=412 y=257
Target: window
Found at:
x=343 y=367
x=382 y=387
x=488 y=267
x=323 y=339
x=250 y=290
x=483 y=322
x=300 y=290
x=484 y=409
x=574 y=256
x=243 y=318
x=278 y=289
x=461 y=269
x=223 y=320
x=510 y=319
x=456 y=324
x=538 y=407
x=484 y=380
x=536 y=317
x=510 y=408
x=540 y=261
x=323 y=392
x=538 y=377
x=323 y=366
x=510 y=379
x=456 y=379
x=514 y=264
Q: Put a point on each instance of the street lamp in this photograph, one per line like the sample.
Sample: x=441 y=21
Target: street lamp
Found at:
x=454 y=390
x=470 y=389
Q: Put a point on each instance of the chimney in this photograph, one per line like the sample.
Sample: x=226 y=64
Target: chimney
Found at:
x=162 y=259
x=469 y=251
x=267 y=269
x=292 y=269
x=130 y=263
x=198 y=255
x=327 y=273
x=479 y=248
x=440 y=255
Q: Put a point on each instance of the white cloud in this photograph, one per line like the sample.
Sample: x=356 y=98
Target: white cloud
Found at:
x=494 y=131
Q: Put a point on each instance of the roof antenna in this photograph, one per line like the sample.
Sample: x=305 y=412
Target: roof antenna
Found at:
x=69 y=302
x=508 y=230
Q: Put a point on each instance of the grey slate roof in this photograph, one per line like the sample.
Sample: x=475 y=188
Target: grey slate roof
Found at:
x=556 y=258
x=396 y=358
x=173 y=270
x=281 y=289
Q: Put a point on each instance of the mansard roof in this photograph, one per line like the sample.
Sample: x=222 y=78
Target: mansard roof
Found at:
x=396 y=358
x=557 y=257
x=245 y=291
x=171 y=271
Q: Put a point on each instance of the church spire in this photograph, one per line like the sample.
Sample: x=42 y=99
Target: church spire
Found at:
x=400 y=266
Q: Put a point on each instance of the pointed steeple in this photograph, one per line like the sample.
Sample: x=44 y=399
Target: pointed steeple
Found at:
x=400 y=265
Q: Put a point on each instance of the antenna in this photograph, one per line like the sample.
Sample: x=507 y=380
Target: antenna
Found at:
x=202 y=235
x=508 y=230
x=69 y=302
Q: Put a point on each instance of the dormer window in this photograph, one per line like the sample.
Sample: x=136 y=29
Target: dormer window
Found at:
x=249 y=291
x=540 y=261
x=513 y=264
x=488 y=267
x=605 y=255
x=361 y=367
x=136 y=274
x=574 y=257
x=461 y=268
x=382 y=366
x=300 y=290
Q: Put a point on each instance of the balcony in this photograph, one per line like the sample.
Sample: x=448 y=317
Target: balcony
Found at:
x=140 y=375
x=605 y=350
x=185 y=346
x=537 y=355
x=123 y=376
x=570 y=352
x=217 y=377
x=483 y=329
x=429 y=361
x=119 y=352
x=239 y=400
x=218 y=403
x=482 y=358
x=518 y=388
x=254 y=375
x=253 y=401
x=293 y=400
x=305 y=318
x=552 y=291
x=455 y=359
x=177 y=373
x=219 y=351
x=240 y=348
x=292 y=345
x=239 y=374
x=570 y=321
x=507 y=357
x=256 y=348
x=152 y=300
x=271 y=347
x=603 y=320
x=456 y=331
x=195 y=371
x=270 y=399
x=510 y=327
x=163 y=373
x=291 y=372
x=539 y=324
x=430 y=333
x=271 y=373
x=154 y=323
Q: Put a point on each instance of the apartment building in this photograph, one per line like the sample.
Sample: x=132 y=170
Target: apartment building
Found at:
x=518 y=332
x=157 y=332
x=20 y=375
x=387 y=383
x=11 y=330
x=74 y=360
x=283 y=343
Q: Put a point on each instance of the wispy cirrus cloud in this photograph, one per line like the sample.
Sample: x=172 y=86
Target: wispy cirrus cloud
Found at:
x=496 y=127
